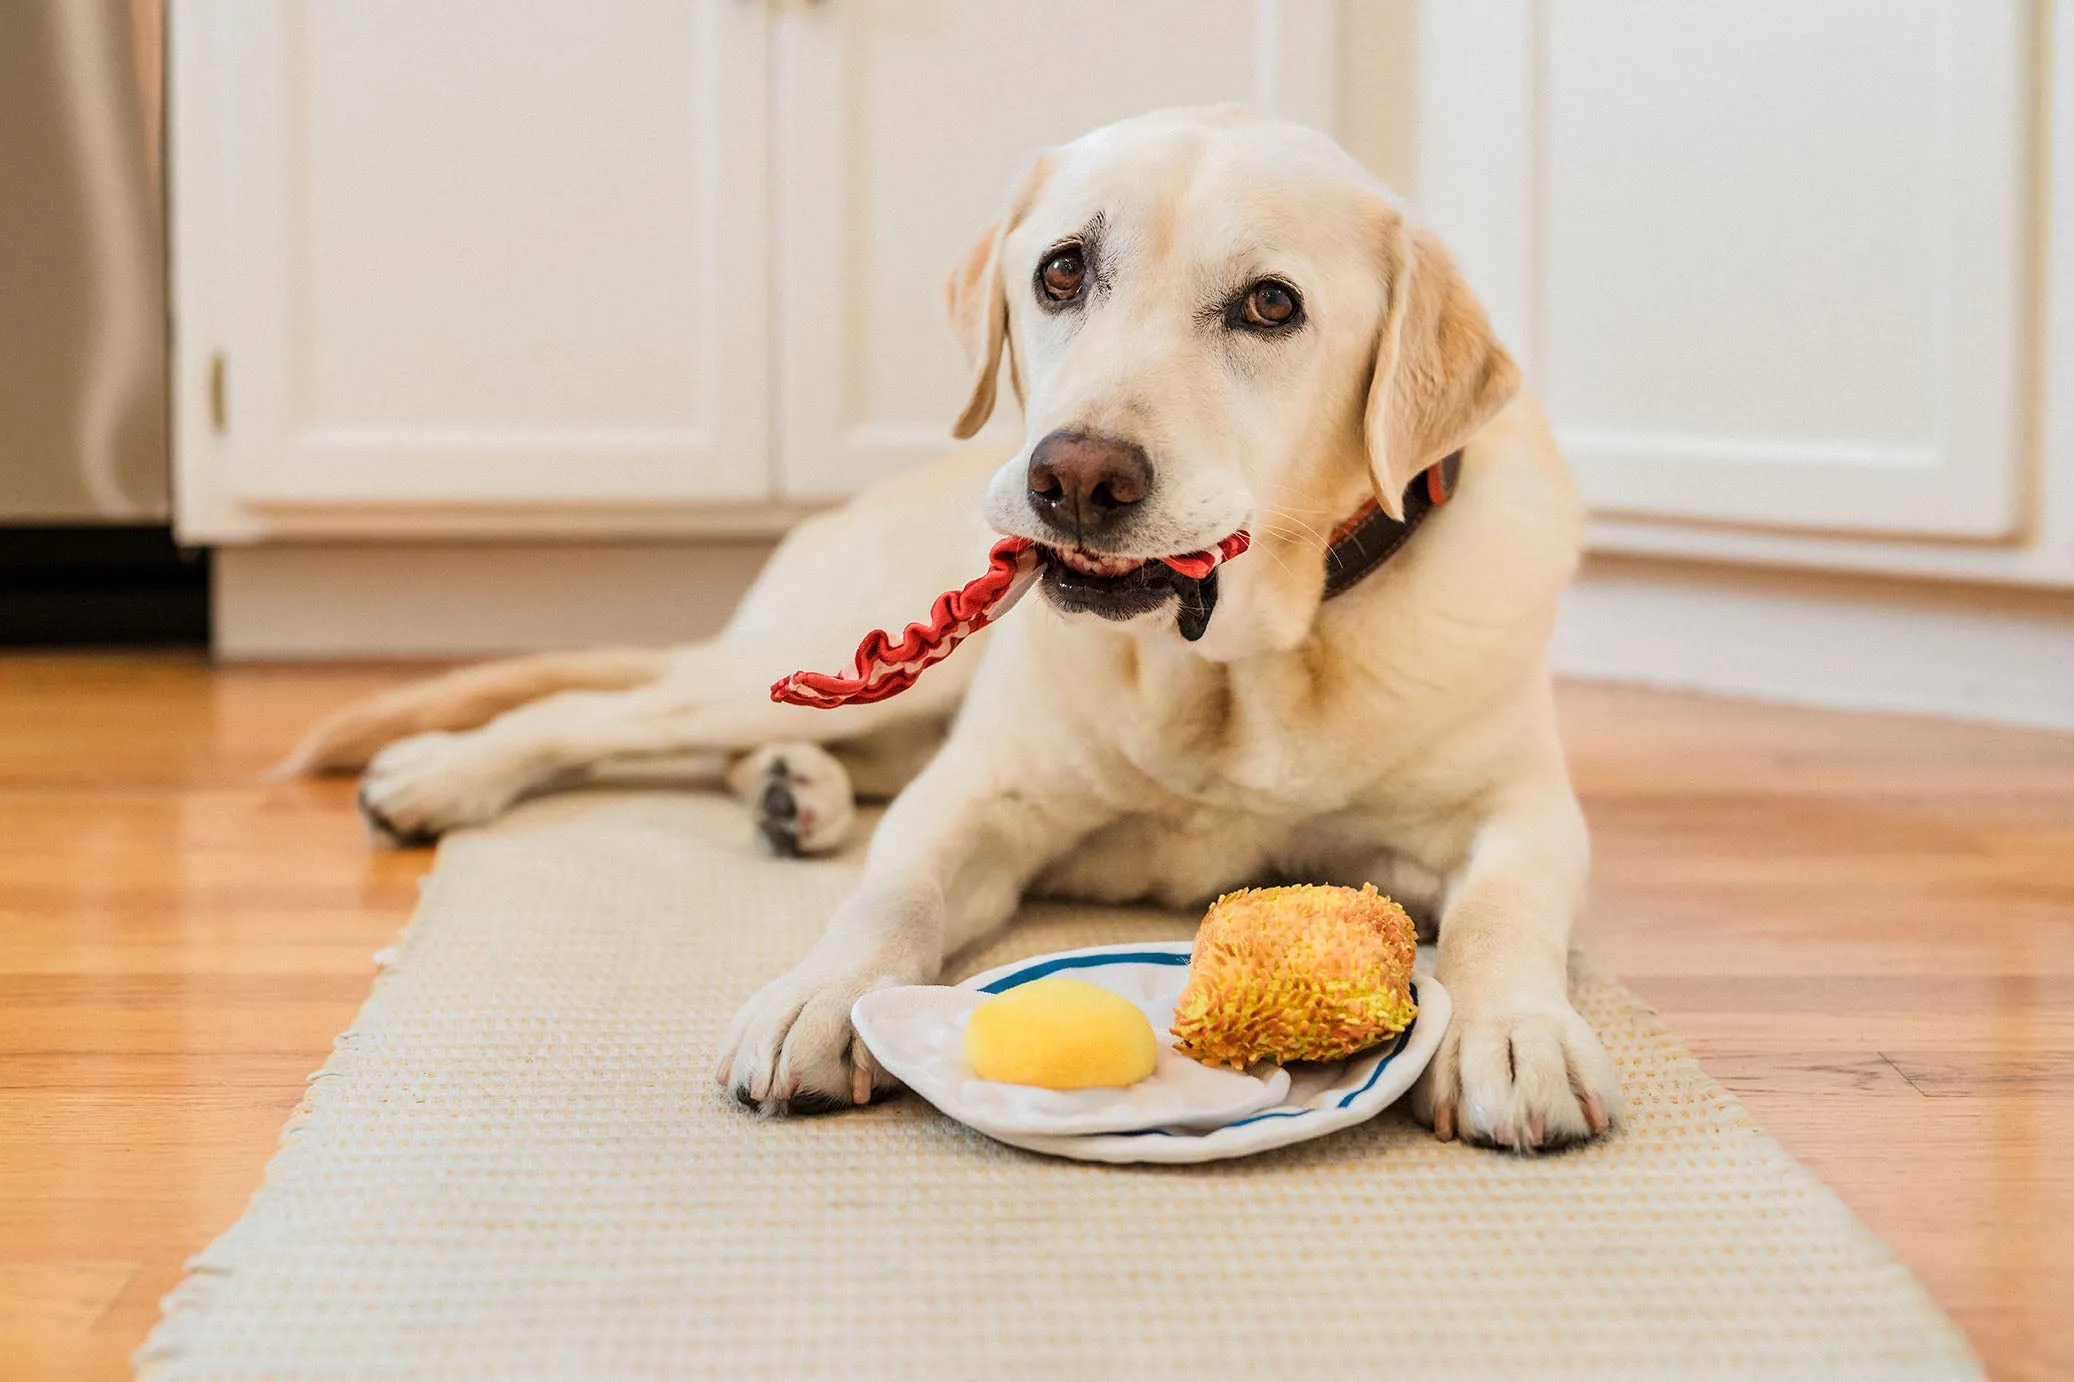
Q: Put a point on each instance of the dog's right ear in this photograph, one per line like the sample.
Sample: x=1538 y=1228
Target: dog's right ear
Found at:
x=978 y=299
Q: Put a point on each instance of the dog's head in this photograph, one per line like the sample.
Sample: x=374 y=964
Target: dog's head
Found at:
x=1214 y=321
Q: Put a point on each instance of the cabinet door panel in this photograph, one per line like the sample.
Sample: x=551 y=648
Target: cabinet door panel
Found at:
x=485 y=254
x=1767 y=261
x=899 y=124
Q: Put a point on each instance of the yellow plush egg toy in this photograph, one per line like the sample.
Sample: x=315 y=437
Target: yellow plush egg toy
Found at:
x=1060 y=1033
x=1298 y=973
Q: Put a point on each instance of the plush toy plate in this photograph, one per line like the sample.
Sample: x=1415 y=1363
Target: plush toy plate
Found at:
x=1182 y=1112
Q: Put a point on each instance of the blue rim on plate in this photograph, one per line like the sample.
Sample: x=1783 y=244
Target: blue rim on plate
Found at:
x=1397 y=1044
x=1083 y=959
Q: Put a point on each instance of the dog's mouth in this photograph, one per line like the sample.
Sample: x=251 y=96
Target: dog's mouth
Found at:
x=1078 y=581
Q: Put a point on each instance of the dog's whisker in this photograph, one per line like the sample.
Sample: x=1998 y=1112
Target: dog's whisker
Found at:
x=1274 y=531
x=1282 y=527
x=1279 y=559
x=1298 y=524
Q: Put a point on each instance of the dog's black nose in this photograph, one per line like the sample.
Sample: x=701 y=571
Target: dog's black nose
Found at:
x=1083 y=484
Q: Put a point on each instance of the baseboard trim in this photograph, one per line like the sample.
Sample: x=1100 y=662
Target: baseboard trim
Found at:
x=1971 y=653
x=447 y=600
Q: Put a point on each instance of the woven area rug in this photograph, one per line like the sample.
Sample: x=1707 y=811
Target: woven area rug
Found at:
x=516 y=1165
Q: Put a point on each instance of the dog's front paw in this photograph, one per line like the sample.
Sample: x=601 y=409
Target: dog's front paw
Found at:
x=417 y=789
x=791 y=1048
x=1521 y=1076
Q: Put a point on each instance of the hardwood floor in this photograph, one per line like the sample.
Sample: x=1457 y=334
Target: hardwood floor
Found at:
x=1864 y=925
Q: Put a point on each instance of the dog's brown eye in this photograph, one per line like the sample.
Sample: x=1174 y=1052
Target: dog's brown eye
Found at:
x=1063 y=274
x=1269 y=304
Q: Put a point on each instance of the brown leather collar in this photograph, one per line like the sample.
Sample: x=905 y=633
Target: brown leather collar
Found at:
x=1371 y=537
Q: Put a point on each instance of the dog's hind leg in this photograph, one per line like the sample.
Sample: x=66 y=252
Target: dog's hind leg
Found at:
x=713 y=698
x=464 y=699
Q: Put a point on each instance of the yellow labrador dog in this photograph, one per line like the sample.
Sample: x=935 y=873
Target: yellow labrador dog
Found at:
x=1215 y=322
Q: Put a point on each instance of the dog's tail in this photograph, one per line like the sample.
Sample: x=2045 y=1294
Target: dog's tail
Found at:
x=346 y=739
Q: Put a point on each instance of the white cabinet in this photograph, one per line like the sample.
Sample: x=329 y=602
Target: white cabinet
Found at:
x=897 y=126
x=468 y=255
x=662 y=265
x=1769 y=263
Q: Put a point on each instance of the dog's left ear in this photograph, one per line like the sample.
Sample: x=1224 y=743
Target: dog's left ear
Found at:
x=978 y=299
x=1439 y=371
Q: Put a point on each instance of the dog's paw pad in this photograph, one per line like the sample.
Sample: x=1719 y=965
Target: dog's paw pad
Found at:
x=777 y=810
x=801 y=797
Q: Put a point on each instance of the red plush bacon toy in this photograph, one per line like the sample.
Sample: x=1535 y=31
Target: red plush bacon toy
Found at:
x=886 y=668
